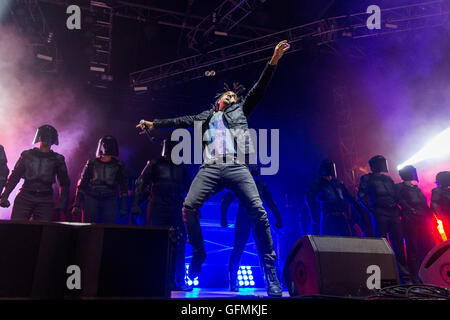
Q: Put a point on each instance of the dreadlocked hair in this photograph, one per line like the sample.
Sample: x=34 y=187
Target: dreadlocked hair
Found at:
x=238 y=89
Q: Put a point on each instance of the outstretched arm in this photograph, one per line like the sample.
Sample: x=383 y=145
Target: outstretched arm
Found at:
x=179 y=122
x=256 y=93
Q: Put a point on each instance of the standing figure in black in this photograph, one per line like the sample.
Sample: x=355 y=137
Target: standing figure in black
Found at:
x=101 y=179
x=169 y=184
x=243 y=225
x=227 y=145
x=38 y=167
x=416 y=219
x=377 y=192
x=328 y=201
x=4 y=171
x=440 y=198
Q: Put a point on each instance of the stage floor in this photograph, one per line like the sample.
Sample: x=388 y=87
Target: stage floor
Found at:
x=222 y=293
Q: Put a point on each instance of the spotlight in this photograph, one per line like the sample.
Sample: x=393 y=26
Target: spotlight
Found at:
x=140 y=89
x=97 y=69
x=44 y=57
x=211 y=73
x=437 y=147
x=391 y=26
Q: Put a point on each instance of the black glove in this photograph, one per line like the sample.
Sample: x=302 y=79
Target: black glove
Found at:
x=4 y=203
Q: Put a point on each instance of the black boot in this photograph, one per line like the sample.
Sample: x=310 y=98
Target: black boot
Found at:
x=192 y=223
x=195 y=267
x=273 y=285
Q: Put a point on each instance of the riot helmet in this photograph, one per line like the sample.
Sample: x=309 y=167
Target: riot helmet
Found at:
x=378 y=164
x=107 y=146
x=46 y=133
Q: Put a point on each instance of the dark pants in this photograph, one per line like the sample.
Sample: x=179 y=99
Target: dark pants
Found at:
x=242 y=230
x=100 y=209
x=335 y=224
x=419 y=241
x=29 y=206
x=171 y=217
x=213 y=178
x=387 y=222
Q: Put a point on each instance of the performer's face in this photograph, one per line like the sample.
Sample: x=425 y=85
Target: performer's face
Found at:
x=228 y=98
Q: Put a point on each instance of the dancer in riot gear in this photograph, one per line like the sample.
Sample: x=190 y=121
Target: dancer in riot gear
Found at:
x=243 y=225
x=103 y=180
x=377 y=192
x=4 y=171
x=440 y=198
x=38 y=167
x=169 y=184
x=328 y=201
x=225 y=128
x=416 y=219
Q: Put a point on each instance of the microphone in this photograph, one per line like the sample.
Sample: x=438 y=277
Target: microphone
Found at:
x=147 y=132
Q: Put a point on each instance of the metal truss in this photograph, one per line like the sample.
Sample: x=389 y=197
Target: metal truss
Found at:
x=101 y=28
x=226 y=17
x=318 y=33
x=30 y=20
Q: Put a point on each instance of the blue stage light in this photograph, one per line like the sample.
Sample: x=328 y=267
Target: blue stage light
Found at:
x=249 y=272
x=244 y=272
x=239 y=277
x=247 y=283
x=250 y=277
x=245 y=278
x=239 y=272
x=241 y=283
x=252 y=283
x=247 y=267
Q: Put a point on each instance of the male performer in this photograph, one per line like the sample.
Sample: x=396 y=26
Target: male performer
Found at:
x=38 y=167
x=440 y=198
x=243 y=225
x=226 y=129
x=169 y=184
x=377 y=193
x=416 y=219
x=97 y=188
x=4 y=171
x=328 y=200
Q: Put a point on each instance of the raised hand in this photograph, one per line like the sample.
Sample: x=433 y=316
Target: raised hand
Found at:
x=279 y=50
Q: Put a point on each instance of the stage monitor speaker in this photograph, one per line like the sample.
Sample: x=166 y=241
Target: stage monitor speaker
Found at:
x=435 y=268
x=33 y=259
x=122 y=261
x=114 y=261
x=339 y=266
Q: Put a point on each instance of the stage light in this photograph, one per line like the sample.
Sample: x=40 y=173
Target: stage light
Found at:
x=437 y=147
x=440 y=228
x=190 y=282
x=44 y=57
x=97 y=69
x=140 y=89
x=391 y=26
x=244 y=276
